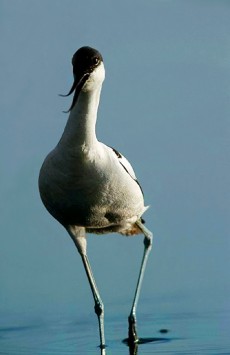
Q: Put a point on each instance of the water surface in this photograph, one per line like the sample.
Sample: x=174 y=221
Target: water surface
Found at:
x=165 y=332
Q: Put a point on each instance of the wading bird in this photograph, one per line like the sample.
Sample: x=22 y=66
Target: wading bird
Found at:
x=90 y=187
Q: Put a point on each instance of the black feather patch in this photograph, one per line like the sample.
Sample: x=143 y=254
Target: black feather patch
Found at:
x=119 y=157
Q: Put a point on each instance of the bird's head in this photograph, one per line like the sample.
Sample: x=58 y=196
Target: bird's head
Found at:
x=88 y=72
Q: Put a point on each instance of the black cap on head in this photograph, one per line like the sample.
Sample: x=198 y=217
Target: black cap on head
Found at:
x=84 y=61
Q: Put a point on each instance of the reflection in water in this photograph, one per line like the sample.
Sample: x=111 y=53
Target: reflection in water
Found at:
x=133 y=347
x=103 y=352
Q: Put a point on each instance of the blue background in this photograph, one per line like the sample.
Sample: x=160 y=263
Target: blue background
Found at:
x=165 y=105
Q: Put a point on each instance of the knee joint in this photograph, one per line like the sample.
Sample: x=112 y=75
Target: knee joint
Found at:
x=148 y=242
x=99 y=309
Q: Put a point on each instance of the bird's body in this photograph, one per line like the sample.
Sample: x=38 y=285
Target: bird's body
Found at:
x=86 y=185
x=90 y=188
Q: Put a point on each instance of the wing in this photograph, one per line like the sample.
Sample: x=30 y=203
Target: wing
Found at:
x=127 y=166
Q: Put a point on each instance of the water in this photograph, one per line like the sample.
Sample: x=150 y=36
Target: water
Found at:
x=170 y=330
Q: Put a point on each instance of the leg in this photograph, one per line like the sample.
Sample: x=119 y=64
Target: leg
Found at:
x=79 y=239
x=99 y=307
x=133 y=338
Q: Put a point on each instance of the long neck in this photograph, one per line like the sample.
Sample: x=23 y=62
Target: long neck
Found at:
x=80 y=127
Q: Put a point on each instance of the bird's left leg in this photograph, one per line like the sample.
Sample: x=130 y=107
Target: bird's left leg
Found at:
x=133 y=338
x=79 y=238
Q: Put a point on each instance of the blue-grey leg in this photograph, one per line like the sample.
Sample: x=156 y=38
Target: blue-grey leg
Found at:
x=99 y=307
x=133 y=338
x=79 y=238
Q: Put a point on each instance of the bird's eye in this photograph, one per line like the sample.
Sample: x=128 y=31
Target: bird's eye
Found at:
x=95 y=60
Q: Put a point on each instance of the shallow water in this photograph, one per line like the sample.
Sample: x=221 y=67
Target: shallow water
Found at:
x=167 y=332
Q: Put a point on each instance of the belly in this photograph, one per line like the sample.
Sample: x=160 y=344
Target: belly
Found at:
x=92 y=207
x=88 y=196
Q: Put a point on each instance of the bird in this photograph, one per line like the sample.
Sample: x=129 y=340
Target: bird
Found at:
x=89 y=187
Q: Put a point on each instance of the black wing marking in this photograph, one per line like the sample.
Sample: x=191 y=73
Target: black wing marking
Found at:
x=120 y=157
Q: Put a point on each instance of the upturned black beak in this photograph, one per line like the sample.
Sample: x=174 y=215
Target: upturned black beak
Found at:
x=78 y=83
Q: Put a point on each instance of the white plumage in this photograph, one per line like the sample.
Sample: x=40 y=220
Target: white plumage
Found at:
x=84 y=184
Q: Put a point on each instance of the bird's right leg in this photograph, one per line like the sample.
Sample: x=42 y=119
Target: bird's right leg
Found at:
x=133 y=337
x=79 y=238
